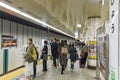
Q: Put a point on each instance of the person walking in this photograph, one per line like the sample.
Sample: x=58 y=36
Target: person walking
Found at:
x=73 y=53
x=29 y=57
x=58 y=52
x=45 y=56
x=63 y=56
x=66 y=45
x=85 y=51
x=54 y=48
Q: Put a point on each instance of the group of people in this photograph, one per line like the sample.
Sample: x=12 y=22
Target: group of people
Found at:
x=60 y=53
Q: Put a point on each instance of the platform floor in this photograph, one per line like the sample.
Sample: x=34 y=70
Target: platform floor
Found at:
x=76 y=74
x=55 y=73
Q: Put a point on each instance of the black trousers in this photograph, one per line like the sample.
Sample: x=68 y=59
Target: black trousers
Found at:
x=44 y=65
x=63 y=68
x=34 y=68
x=54 y=59
x=66 y=62
x=85 y=58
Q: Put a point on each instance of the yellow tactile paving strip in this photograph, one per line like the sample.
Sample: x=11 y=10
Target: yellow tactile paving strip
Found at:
x=16 y=73
x=12 y=75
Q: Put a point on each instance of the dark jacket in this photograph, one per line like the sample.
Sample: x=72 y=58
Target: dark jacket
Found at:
x=45 y=53
x=54 y=48
x=73 y=54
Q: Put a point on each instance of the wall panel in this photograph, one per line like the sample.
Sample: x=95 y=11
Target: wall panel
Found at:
x=13 y=29
x=6 y=27
x=34 y=35
x=40 y=37
x=37 y=36
x=12 y=50
x=25 y=34
x=30 y=33
x=20 y=35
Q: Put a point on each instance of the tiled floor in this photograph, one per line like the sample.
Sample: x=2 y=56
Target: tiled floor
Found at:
x=76 y=74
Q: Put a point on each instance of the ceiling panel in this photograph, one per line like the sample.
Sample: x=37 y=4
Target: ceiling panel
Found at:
x=63 y=14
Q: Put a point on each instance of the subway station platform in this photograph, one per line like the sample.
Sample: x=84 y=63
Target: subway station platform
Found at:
x=55 y=73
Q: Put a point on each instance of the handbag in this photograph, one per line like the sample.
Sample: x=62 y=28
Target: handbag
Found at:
x=82 y=55
x=41 y=56
x=29 y=58
x=45 y=56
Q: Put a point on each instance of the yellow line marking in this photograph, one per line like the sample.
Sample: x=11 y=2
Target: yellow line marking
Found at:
x=16 y=73
x=12 y=75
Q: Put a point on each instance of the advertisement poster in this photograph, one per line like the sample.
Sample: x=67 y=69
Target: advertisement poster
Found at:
x=9 y=41
x=113 y=44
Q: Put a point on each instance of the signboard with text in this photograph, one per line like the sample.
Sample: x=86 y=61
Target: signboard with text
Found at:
x=113 y=44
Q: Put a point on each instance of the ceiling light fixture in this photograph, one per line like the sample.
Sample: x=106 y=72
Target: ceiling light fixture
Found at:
x=32 y=18
x=79 y=25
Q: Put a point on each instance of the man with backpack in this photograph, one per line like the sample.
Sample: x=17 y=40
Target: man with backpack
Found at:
x=30 y=59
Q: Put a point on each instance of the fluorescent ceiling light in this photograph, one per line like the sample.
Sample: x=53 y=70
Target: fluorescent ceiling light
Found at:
x=32 y=18
x=9 y=7
x=79 y=25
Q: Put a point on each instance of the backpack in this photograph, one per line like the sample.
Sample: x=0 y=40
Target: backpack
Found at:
x=64 y=50
x=34 y=54
x=37 y=53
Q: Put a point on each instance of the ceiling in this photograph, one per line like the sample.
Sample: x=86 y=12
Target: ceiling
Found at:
x=63 y=14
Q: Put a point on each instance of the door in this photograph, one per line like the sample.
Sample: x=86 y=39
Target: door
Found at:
x=5 y=60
